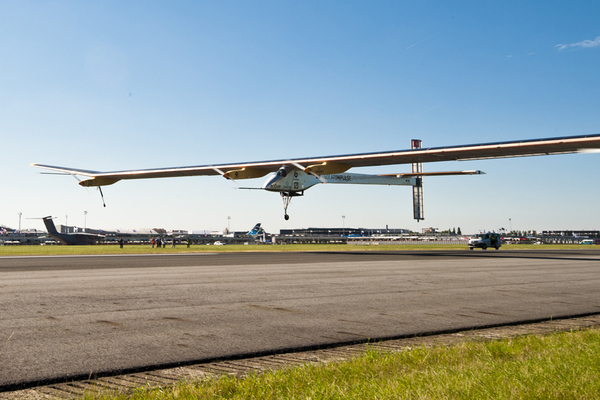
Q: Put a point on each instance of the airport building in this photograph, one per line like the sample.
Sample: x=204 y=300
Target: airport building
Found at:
x=9 y=236
x=568 y=237
x=342 y=232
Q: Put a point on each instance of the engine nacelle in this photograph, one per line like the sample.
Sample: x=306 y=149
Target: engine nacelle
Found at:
x=326 y=168
x=245 y=173
x=99 y=181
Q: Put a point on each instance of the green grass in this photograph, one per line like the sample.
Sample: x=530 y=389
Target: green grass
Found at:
x=555 y=366
x=147 y=249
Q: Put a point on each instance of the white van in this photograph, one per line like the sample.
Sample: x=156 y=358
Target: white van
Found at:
x=485 y=240
x=590 y=241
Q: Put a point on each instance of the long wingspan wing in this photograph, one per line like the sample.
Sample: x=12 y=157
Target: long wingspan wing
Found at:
x=536 y=147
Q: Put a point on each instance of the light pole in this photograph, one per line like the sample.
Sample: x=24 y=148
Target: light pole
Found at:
x=84 y=220
x=343 y=225
x=228 y=223
x=20 y=213
x=510 y=224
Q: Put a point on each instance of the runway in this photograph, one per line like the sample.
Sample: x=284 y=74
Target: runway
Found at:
x=72 y=316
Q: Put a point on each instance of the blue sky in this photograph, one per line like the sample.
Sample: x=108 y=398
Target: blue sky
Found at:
x=108 y=86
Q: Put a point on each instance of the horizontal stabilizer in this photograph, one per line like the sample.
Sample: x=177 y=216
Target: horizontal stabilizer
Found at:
x=65 y=170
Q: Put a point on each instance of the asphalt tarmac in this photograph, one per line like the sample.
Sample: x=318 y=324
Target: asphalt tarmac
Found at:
x=68 y=317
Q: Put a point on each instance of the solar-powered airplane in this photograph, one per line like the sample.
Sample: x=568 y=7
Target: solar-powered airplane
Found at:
x=290 y=178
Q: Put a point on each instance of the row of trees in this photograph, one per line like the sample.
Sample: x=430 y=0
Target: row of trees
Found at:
x=457 y=231
x=453 y=231
x=520 y=233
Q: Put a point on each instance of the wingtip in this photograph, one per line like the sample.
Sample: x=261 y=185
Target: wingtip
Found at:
x=589 y=151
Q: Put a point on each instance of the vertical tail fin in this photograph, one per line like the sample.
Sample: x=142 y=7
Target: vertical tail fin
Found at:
x=418 y=188
x=255 y=230
x=49 y=225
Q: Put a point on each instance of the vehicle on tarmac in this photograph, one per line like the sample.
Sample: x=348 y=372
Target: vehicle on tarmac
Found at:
x=485 y=240
x=590 y=241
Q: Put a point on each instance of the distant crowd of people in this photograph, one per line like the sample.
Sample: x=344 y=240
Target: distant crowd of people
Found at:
x=158 y=241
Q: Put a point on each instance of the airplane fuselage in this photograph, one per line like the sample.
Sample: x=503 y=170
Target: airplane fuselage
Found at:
x=289 y=179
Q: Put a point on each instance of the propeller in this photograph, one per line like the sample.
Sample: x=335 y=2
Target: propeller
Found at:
x=301 y=168
x=99 y=189
x=220 y=171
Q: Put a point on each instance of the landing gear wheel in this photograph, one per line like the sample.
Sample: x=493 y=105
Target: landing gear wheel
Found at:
x=497 y=248
x=287 y=198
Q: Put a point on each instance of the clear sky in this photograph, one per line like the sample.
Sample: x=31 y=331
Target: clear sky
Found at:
x=116 y=85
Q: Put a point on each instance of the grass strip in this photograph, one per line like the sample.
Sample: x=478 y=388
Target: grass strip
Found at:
x=560 y=365
x=147 y=249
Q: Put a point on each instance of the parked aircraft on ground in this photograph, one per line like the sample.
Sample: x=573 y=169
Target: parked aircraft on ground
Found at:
x=257 y=230
x=70 y=238
x=290 y=178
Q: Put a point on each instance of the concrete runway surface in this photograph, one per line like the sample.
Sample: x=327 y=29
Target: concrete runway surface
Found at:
x=73 y=316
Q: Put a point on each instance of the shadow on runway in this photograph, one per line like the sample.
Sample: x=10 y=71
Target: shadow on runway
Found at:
x=568 y=255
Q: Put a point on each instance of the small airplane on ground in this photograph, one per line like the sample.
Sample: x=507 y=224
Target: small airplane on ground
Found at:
x=70 y=238
x=290 y=178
